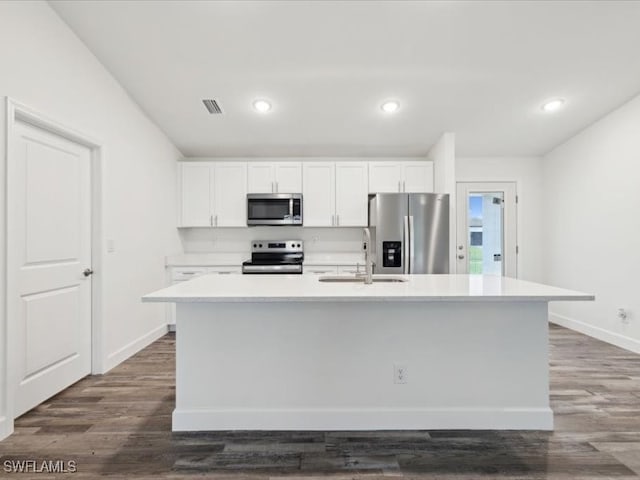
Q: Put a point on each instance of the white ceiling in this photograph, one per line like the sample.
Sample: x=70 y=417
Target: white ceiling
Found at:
x=480 y=69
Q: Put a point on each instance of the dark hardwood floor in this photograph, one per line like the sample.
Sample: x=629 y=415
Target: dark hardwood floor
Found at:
x=119 y=425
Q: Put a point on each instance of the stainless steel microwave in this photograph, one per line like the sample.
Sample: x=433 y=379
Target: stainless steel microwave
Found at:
x=274 y=209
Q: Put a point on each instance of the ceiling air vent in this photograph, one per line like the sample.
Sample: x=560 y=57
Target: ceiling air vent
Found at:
x=212 y=106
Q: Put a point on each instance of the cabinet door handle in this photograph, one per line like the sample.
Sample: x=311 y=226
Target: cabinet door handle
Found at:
x=337 y=220
x=399 y=187
x=215 y=221
x=277 y=187
x=211 y=220
x=404 y=186
x=333 y=220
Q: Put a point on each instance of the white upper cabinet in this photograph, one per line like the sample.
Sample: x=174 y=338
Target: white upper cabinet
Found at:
x=417 y=177
x=274 y=177
x=385 y=177
x=213 y=194
x=352 y=194
x=318 y=194
x=260 y=177
x=288 y=177
x=334 y=194
x=195 y=190
x=230 y=194
x=401 y=176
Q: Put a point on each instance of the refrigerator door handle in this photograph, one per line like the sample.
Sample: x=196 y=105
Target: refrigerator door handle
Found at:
x=405 y=248
x=412 y=250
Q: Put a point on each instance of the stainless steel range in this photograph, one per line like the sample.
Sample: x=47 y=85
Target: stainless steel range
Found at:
x=275 y=256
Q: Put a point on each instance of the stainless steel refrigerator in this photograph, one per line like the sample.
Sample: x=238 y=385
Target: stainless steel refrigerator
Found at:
x=410 y=232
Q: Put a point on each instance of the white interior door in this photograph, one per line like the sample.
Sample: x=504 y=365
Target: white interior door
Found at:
x=487 y=236
x=50 y=248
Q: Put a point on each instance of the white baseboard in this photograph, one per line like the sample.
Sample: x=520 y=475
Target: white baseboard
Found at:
x=364 y=419
x=613 y=338
x=119 y=356
x=6 y=427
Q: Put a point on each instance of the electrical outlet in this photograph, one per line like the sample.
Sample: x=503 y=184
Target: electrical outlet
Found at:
x=399 y=374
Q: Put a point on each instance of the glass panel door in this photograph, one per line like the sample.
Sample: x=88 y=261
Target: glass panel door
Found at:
x=486 y=237
x=485 y=232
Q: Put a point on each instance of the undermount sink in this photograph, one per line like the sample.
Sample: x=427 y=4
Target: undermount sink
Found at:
x=360 y=279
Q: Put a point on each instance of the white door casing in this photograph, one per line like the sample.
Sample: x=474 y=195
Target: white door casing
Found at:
x=49 y=248
x=509 y=224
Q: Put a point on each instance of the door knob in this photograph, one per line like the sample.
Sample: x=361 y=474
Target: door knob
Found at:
x=87 y=272
x=460 y=257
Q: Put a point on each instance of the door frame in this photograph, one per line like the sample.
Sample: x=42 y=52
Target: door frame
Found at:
x=19 y=112
x=509 y=218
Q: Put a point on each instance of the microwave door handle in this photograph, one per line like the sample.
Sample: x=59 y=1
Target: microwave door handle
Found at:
x=290 y=209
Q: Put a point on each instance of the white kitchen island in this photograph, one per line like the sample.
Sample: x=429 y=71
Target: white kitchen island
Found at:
x=288 y=352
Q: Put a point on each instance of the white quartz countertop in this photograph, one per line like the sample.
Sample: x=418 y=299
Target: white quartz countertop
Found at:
x=308 y=288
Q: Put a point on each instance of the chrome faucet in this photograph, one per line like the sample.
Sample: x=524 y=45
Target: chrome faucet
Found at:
x=368 y=279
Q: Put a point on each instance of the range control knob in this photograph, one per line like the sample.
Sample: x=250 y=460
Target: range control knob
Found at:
x=255 y=245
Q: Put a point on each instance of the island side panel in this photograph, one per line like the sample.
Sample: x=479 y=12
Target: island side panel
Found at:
x=330 y=366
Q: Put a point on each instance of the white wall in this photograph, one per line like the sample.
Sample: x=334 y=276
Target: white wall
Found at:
x=46 y=67
x=443 y=156
x=592 y=209
x=527 y=173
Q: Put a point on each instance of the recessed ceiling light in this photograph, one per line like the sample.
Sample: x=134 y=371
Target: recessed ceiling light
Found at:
x=553 y=105
x=262 y=106
x=390 y=106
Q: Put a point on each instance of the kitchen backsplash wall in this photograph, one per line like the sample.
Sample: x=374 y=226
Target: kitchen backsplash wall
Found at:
x=238 y=240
